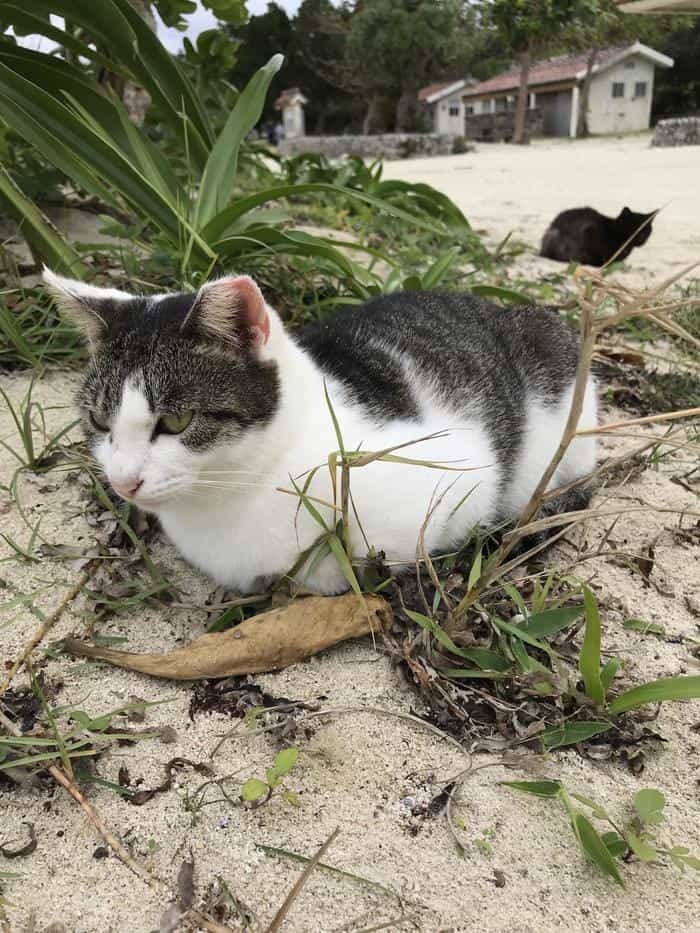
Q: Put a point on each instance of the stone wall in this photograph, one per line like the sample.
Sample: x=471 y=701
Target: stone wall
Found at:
x=500 y=126
x=683 y=131
x=384 y=145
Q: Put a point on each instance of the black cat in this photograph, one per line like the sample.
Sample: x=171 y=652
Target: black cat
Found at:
x=586 y=236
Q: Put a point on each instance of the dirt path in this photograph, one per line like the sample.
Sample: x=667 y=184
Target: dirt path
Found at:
x=504 y=188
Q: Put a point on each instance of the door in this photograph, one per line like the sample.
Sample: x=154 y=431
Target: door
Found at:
x=556 y=112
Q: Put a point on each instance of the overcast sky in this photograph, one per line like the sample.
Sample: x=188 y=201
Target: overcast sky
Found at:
x=204 y=19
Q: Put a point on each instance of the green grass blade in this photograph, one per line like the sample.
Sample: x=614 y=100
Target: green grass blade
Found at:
x=595 y=848
x=43 y=238
x=522 y=634
x=338 y=552
x=505 y=294
x=589 y=659
x=551 y=621
x=219 y=224
x=537 y=788
x=482 y=657
x=220 y=171
x=572 y=732
x=657 y=691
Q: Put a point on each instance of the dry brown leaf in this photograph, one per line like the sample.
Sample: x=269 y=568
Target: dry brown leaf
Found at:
x=266 y=642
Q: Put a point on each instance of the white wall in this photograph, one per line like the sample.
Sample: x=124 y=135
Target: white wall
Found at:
x=293 y=121
x=608 y=114
x=443 y=122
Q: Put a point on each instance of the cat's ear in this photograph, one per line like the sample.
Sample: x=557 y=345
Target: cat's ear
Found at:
x=230 y=311
x=87 y=306
x=625 y=212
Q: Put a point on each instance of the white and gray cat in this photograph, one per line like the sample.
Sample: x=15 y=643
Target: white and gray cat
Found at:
x=201 y=407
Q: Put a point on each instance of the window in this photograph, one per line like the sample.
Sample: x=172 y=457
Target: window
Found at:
x=468 y=109
x=640 y=89
x=454 y=110
x=618 y=89
x=501 y=103
x=629 y=64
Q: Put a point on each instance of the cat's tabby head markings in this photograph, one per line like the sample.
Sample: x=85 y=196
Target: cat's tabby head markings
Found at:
x=172 y=380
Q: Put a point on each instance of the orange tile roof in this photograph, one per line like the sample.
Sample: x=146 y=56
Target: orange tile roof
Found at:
x=561 y=68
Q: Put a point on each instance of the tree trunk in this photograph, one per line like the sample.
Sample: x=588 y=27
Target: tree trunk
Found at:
x=520 y=134
x=582 y=116
x=370 y=120
x=405 y=111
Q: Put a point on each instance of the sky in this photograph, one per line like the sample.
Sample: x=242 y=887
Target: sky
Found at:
x=204 y=19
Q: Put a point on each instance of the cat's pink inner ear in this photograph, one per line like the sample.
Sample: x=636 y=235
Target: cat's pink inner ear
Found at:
x=251 y=313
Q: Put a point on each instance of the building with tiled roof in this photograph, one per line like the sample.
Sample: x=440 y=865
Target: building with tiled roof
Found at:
x=444 y=105
x=619 y=99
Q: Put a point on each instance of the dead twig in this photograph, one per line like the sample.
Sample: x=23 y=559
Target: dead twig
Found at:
x=48 y=623
x=278 y=919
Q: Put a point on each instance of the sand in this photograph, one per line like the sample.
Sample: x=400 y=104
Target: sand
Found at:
x=363 y=772
x=520 y=189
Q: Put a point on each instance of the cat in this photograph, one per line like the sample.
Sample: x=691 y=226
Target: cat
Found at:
x=586 y=236
x=202 y=407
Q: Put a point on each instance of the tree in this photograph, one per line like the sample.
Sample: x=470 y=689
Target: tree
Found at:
x=396 y=46
x=529 y=28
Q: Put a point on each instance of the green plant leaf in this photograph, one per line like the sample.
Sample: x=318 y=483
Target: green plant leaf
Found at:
x=505 y=294
x=551 y=621
x=475 y=571
x=285 y=760
x=649 y=804
x=643 y=851
x=646 y=628
x=254 y=789
x=617 y=846
x=607 y=674
x=589 y=659
x=522 y=634
x=291 y=797
x=596 y=808
x=657 y=691
x=595 y=848
x=482 y=657
x=572 y=732
x=43 y=238
x=537 y=788
x=220 y=171
x=338 y=551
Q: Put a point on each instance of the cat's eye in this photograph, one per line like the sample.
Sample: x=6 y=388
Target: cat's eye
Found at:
x=174 y=424
x=98 y=422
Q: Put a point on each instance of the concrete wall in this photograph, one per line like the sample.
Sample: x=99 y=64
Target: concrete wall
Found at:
x=384 y=145
x=443 y=121
x=608 y=114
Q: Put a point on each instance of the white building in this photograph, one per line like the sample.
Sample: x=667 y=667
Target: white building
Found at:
x=619 y=98
x=445 y=105
x=291 y=103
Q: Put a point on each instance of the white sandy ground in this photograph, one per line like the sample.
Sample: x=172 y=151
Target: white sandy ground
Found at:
x=520 y=189
x=361 y=772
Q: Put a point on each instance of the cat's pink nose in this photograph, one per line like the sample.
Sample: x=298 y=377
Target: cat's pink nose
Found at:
x=127 y=488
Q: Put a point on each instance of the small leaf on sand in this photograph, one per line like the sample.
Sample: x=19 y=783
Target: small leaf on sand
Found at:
x=285 y=760
x=643 y=851
x=649 y=804
x=266 y=642
x=647 y=628
x=254 y=789
x=595 y=848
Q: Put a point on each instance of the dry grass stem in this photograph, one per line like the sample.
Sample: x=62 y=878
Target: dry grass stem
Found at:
x=648 y=419
x=48 y=623
x=300 y=882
